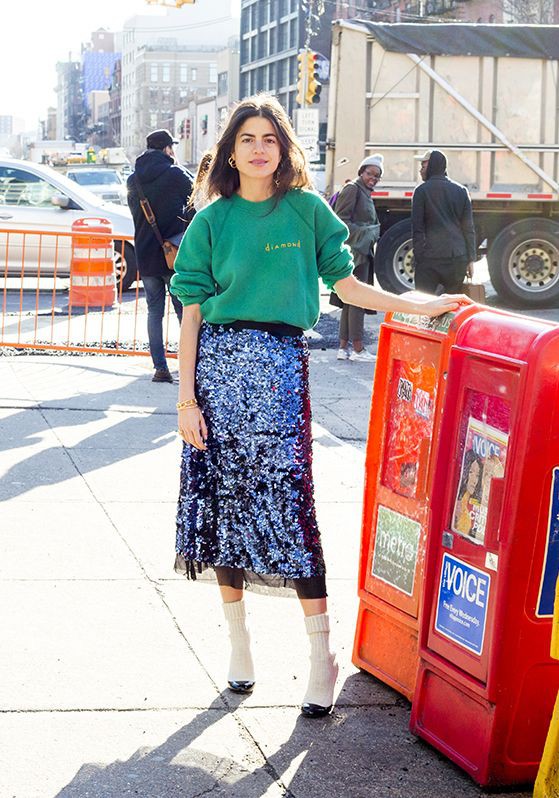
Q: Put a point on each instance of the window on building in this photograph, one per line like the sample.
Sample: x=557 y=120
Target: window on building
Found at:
x=244 y=51
x=293 y=33
x=244 y=85
x=153 y=73
x=194 y=73
x=283 y=8
x=282 y=72
x=293 y=69
x=183 y=74
x=213 y=73
x=153 y=119
x=222 y=83
x=166 y=73
x=283 y=36
x=262 y=44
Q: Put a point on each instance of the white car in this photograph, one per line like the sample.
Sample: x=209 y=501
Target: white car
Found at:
x=37 y=199
x=107 y=183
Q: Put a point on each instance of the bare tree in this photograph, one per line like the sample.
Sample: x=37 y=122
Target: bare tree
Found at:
x=529 y=11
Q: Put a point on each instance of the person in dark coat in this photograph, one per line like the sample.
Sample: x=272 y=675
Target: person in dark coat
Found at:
x=444 y=240
x=355 y=207
x=168 y=187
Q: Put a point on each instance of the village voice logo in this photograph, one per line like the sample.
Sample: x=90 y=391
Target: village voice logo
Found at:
x=396 y=546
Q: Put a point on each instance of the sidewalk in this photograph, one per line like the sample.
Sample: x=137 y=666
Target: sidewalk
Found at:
x=112 y=668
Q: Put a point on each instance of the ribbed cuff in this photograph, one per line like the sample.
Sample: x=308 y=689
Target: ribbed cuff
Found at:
x=234 y=610
x=317 y=623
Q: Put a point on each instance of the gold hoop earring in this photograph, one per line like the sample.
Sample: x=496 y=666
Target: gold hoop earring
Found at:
x=276 y=181
x=232 y=162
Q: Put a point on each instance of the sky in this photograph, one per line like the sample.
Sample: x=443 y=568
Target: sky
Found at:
x=35 y=34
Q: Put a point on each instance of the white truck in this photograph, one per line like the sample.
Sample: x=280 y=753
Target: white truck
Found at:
x=488 y=96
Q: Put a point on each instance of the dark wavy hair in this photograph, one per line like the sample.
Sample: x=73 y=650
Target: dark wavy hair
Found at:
x=222 y=180
x=470 y=458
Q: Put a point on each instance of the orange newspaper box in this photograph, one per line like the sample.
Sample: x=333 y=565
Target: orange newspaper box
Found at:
x=486 y=681
x=92 y=269
x=408 y=392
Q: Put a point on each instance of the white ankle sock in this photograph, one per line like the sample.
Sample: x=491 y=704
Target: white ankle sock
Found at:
x=241 y=668
x=324 y=668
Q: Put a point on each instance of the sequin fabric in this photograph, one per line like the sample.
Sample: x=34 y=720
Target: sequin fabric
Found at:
x=248 y=500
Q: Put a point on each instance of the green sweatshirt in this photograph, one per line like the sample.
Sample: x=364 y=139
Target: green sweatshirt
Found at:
x=251 y=261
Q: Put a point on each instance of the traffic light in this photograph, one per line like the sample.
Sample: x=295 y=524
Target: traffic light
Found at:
x=313 y=89
x=301 y=77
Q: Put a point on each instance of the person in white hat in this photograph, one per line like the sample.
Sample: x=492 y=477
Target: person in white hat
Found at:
x=356 y=208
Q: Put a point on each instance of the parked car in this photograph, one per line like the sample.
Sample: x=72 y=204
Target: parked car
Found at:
x=34 y=197
x=103 y=181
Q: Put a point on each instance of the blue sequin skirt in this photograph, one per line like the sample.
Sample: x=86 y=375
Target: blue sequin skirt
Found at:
x=247 y=502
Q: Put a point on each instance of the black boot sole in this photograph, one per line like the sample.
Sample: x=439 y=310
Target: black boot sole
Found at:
x=315 y=710
x=241 y=687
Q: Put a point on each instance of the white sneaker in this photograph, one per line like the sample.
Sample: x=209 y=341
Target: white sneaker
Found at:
x=364 y=355
x=343 y=354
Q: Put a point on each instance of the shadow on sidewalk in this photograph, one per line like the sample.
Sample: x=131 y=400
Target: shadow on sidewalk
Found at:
x=178 y=768
x=361 y=750
x=53 y=465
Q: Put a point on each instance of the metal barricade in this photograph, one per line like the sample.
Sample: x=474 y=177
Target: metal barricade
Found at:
x=36 y=313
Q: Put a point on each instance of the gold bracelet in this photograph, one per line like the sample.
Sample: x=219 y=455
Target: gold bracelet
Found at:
x=184 y=405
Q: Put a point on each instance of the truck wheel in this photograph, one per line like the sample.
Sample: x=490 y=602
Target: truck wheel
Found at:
x=394 y=266
x=524 y=263
x=125 y=267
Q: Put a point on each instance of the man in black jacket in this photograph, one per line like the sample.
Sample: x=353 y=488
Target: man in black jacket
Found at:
x=444 y=241
x=167 y=186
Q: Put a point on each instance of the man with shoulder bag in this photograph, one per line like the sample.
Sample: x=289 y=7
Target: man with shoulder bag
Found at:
x=158 y=194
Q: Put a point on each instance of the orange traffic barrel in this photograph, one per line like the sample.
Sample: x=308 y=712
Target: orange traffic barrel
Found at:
x=92 y=273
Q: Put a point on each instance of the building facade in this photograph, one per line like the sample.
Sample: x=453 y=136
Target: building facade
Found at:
x=70 y=110
x=273 y=32
x=164 y=77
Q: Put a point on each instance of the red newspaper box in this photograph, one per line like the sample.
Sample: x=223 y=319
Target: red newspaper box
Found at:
x=412 y=360
x=486 y=682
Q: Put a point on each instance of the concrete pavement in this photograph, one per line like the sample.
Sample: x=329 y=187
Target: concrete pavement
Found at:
x=112 y=668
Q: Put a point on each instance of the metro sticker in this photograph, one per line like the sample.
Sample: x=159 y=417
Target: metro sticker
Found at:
x=396 y=546
x=462 y=603
x=546 y=598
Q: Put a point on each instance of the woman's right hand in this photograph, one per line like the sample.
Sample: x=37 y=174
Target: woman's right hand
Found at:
x=192 y=427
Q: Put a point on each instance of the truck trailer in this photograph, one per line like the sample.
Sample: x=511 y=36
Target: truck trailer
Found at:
x=488 y=97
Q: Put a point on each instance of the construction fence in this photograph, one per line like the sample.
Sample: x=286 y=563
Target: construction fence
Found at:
x=75 y=291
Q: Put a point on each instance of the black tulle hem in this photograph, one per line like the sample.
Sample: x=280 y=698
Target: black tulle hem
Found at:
x=313 y=587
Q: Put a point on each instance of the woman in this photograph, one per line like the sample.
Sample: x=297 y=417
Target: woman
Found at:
x=247 y=274
x=355 y=207
x=466 y=513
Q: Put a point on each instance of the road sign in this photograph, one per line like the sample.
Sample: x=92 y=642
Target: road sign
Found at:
x=306 y=122
x=310 y=146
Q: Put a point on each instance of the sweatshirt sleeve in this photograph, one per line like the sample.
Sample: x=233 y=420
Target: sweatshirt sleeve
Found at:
x=333 y=256
x=192 y=281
